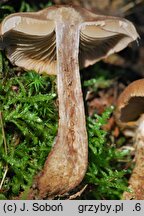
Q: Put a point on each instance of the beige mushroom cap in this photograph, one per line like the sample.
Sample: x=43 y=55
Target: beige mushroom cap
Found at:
x=30 y=38
x=130 y=105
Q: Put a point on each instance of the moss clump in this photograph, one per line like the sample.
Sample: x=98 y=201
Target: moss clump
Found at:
x=27 y=128
x=104 y=177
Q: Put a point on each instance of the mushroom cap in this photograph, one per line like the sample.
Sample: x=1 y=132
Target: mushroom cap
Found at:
x=30 y=38
x=130 y=105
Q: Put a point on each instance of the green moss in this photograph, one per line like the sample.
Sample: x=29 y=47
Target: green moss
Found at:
x=29 y=121
x=104 y=176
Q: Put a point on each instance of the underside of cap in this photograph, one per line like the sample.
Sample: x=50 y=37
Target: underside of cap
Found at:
x=30 y=43
x=130 y=105
x=103 y=37
x=31 y=52
x=30 y=38
x=93 y=50
x=133 y=110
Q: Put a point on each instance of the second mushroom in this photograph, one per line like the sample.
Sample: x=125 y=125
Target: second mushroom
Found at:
x=60 y=40
x=130 y=116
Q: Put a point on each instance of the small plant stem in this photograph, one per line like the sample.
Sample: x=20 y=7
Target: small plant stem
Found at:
x=6 y=151
x=3 y=133
x=4 y=175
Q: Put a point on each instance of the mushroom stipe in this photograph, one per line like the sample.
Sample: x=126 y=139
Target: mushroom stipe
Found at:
x=130 y=108
x=60 y=40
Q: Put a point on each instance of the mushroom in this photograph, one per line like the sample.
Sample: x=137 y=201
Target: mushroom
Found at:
x=58 y=40
x=130 y=113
